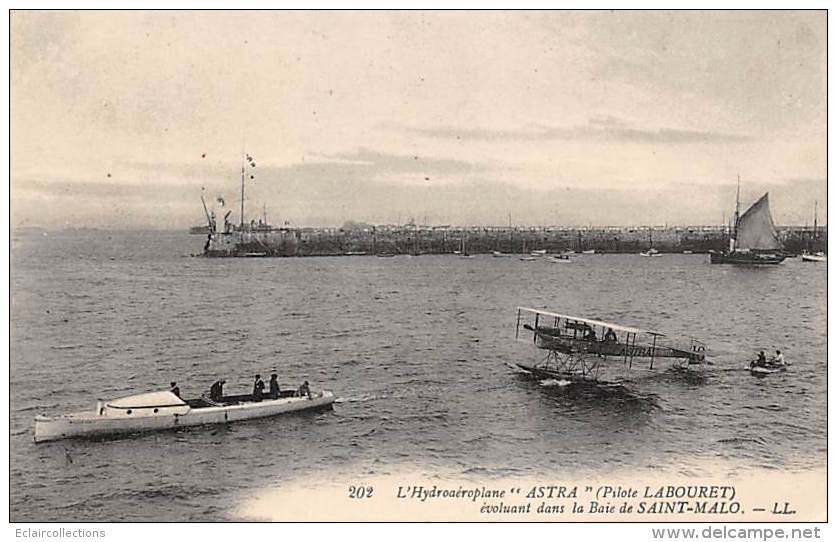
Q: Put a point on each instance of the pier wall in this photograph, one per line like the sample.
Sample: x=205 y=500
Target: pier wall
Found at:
x=483 y=240
x=480 y=240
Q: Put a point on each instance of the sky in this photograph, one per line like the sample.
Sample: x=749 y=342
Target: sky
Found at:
x=124 y=119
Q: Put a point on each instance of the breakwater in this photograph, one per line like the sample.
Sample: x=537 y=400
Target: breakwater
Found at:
x=410 y=239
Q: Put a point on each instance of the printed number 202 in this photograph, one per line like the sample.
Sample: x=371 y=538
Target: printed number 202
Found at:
x=360 y=492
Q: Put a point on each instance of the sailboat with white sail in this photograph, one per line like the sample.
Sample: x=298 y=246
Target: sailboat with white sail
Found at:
x=754 y=239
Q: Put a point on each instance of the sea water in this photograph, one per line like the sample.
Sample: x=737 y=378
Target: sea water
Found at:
x=420 y=352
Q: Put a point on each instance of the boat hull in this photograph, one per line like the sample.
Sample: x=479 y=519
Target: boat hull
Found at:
x=813 y=258
x=90 y=425
x=746 y=258
x=256 y=243
x=764 y=371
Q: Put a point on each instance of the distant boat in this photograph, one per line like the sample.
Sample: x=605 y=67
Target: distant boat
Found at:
x=463 y=251
x=651 y=253
x=687 y=252
x=591 y=251
x=538 y=253
x=754 y=240
x=354 y=253
x=498 y=254
x=385 y=255
x=528 y=258
x=816 y=257
x=560 y=258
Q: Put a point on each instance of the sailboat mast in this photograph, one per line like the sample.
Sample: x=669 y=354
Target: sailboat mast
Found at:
x=737 y=209
x=815 y=219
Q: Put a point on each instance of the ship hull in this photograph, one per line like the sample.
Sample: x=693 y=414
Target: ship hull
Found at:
x=746 y=258
x=235 y=244
x=91 y=425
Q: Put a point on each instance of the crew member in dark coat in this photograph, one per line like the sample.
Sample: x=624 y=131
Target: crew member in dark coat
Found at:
x=258 y=388
x=304 y=390
x=274 y=387
x=216 y=392
x=174 y=389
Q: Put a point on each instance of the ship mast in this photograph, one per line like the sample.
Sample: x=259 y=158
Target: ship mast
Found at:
x=242 y=192
x=206 y=211
x=737 y=208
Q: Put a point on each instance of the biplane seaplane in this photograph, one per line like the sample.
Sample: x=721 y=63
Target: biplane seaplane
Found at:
x=581 y=349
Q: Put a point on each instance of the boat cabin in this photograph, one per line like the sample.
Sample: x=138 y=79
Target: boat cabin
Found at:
x=154 y=403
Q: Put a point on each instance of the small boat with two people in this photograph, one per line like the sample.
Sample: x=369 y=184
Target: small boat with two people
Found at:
x=159 y=410
x=651 y=253
x=761 y=366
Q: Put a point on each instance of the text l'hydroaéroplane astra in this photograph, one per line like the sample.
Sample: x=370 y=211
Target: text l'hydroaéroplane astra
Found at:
x=585 y=349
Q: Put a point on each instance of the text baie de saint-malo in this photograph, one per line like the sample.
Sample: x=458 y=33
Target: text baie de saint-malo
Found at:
x=715 y=492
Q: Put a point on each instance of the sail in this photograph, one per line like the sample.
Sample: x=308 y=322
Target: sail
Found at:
x=756 y=230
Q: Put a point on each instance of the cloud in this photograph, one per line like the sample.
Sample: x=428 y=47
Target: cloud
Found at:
x=384 y=163
x=597 y=130
x=96 y=190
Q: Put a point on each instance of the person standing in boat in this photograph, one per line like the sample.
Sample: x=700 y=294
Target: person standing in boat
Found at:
x=610 y=336
x=174 y=389
x=258 y=388
x=216 y=391
x=274 y=387
x=590 y=334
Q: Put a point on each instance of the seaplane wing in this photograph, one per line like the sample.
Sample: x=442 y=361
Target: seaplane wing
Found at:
x=577 y=346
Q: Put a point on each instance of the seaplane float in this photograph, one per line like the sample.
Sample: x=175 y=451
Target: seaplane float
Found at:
x=160 y=410
x=583 y=349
